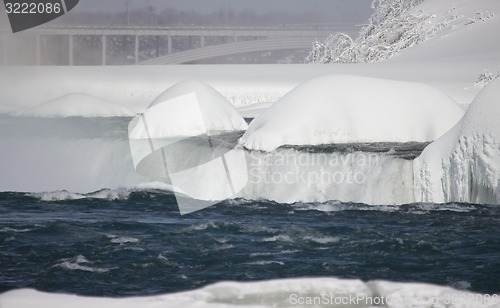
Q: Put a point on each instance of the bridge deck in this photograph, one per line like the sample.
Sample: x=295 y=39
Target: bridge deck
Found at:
x=283 y=31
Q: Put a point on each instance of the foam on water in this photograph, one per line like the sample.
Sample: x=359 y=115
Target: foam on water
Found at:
x=122 y=239
x=322 y=240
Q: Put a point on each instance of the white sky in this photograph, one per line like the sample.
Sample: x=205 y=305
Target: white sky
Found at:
x=359 y=10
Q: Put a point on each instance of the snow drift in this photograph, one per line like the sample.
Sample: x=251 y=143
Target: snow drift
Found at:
x=218 y=115
x=350 y=109
x=76 y=105
x=302 y=292
x=464 y=164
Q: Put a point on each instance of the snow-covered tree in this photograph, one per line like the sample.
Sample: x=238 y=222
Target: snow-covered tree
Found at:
x=391 y=28
x=485 y=78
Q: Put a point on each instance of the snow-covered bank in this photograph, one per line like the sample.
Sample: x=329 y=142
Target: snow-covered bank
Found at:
x=353 y=109
x=464 y=164
x=76 y=105
x=136 y=87
x=305 y=292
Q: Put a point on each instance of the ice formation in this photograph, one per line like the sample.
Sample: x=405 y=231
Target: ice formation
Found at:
x=464 y=164
x=289 y=175
x=350 y=109
x=76 y=105
x=182 y=139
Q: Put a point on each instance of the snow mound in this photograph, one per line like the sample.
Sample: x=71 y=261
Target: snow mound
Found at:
x=302 y=292
x=345 y=109
x=76 y=105
x=464 y=164
x=190 y=108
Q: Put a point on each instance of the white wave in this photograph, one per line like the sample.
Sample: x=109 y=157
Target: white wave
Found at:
x=201 y=227
x=322 y=240
x=278 y=238
x=104 y=194
x=74 y=266
x=80 y=263
x=204 y=226
x=122 y=239
x=264 y=254
x=265 y=262
x=8 y=229
x=224 y=247
x=259 y=228
x=319 y=292
x=451 y=207
x=338 y=207
x=167 y=262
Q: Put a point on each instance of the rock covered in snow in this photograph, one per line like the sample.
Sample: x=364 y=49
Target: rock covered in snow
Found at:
x=345 y=109
x=464 y=164
x=76 y=105
x=190 y=108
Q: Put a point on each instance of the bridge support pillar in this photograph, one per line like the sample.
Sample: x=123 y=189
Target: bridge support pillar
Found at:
x=169 y=42
x=103 y=42
x=71 y=53
x=202 y=41
x=5 y=50
x=38 y=50
x=136 y=49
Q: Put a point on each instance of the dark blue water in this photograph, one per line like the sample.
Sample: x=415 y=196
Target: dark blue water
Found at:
x=139 y=244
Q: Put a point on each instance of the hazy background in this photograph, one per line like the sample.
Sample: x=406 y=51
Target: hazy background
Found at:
x=354 y=10
x=18 y=48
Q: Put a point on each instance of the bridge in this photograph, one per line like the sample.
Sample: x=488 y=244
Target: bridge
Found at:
x=204 y=42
